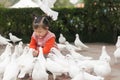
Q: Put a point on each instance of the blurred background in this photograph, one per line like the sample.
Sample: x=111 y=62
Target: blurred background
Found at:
x=93 y=20
x=58 y=4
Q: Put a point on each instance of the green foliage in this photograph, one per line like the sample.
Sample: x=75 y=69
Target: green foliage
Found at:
x=97 y=22
x=18 y=22
x=104 y=14
x=1 y=5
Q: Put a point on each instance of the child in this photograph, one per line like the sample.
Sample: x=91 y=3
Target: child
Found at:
x=41 y=36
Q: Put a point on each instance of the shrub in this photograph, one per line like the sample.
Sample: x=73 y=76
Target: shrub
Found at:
x=92 y=25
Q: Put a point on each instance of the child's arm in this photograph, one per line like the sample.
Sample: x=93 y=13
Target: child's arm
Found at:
x=33 y=45
x=46 y=49
x=48 y=45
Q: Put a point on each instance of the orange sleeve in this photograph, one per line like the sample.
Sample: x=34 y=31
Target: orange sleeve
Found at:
x=33 y=43
x=48 y=45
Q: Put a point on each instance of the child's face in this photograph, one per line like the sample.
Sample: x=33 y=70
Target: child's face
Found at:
x=40 y=32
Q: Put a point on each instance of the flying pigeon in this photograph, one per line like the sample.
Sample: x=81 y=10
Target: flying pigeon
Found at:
x=49 y=3
x=47 y=10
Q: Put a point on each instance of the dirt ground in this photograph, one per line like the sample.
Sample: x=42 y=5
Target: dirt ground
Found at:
x=95 y=51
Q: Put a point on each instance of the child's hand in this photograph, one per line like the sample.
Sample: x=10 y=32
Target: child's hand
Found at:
x=35 y=53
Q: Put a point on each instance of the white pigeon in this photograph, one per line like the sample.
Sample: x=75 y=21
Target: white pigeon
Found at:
x=3 y=40
x=21 y=58
x=55 y=68
x=42 y=57
x=73 y=68
x=62 y=39
x=47 y=10
x=16 y=52
x=39 y=70
x=12 y=68
x=118 y=42
x=79 y=43
x=102 y=68
x=27 y=65
x=57 y=53
x=14 y=38
x=61 y=46
x=62 y=61
x=39 y=73
x=76 y=55
x=58 y=57
x=6 y=52
x=81 y=75
x=4 y=64
x=88 y=76
x=49 y=3
x=116 y=54
x=67 y=44
x=1 y=37
x=20 y=47
x=89 y=65
x=104 y=55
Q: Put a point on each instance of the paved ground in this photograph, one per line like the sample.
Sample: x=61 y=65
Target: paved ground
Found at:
x=95 y=51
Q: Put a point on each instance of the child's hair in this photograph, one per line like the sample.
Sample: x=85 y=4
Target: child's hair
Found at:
x=41 y=21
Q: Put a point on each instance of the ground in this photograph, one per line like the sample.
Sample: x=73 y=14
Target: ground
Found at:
x=95 y=51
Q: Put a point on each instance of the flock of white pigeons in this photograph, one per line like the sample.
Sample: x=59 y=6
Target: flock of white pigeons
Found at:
x=17 y=61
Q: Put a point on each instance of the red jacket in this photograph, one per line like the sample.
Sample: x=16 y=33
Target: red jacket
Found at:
x=47 y=42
